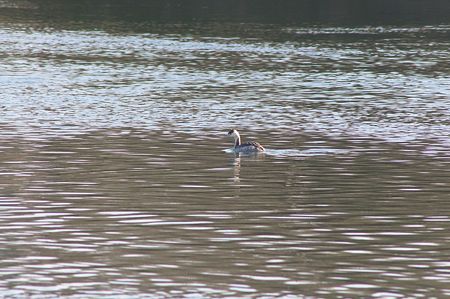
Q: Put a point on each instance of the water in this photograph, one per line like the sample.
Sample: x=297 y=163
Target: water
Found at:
x=116 y=179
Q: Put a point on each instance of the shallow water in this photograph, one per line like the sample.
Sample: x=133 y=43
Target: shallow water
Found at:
x=115 y=179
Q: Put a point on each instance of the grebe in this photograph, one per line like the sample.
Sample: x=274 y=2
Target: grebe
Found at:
x=248 y=147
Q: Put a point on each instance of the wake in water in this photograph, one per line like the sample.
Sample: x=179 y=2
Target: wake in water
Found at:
x=296 y=153
x=306 y=152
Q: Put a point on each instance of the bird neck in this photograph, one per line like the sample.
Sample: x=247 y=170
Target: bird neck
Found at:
x=237 y=140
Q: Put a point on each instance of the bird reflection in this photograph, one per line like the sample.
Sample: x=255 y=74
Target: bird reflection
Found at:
x=238 y=158
x=237 y=168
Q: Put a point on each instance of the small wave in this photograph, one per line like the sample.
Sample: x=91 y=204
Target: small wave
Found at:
x=229 y=151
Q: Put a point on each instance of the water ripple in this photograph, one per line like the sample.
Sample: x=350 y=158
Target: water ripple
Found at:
x=116 y=180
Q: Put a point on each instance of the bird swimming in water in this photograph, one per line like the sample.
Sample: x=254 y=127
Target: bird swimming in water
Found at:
x=248 y=147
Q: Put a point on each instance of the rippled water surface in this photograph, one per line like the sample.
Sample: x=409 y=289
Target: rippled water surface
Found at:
x=115 y=178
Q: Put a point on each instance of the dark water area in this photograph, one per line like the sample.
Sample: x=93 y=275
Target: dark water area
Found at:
x=347 y=12
x=117 y=178
x=234 y=18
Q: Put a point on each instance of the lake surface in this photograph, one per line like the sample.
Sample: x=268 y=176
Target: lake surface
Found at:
x=116 y=179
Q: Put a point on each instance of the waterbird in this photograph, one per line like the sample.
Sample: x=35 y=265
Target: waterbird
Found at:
x=248 y=147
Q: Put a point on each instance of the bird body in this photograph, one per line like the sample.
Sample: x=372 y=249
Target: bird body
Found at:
x=247 y=147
